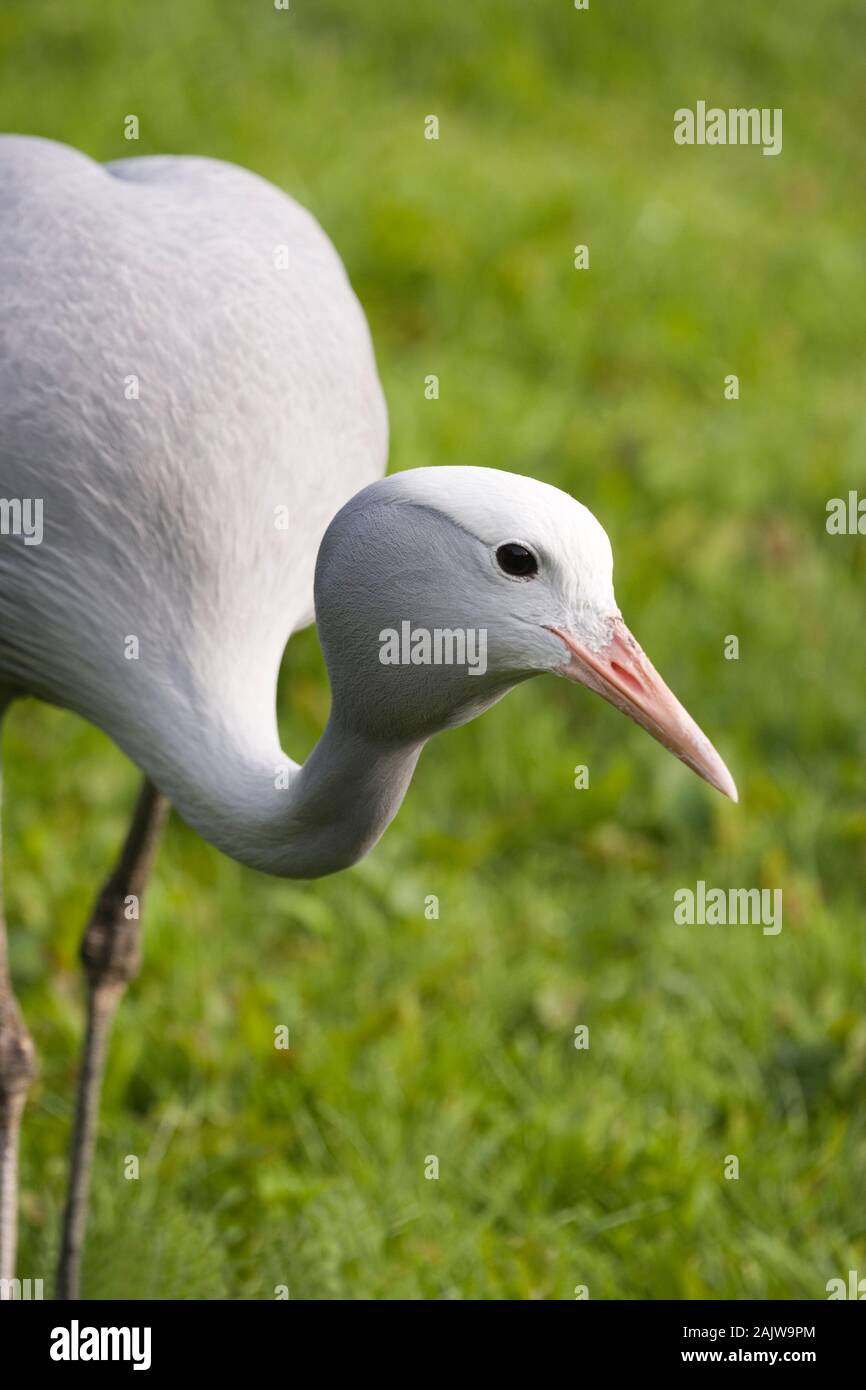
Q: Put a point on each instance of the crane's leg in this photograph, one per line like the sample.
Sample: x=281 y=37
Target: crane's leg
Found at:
x=111 y=955
x=16 y=1073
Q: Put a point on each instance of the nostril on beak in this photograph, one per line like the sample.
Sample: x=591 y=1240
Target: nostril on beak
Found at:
x=627 y=677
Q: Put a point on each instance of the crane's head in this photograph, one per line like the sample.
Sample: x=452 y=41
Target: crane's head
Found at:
x=438 y=590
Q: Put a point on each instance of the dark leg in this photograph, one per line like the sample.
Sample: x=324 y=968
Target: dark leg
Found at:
x=111 y=955
x=16 y=1072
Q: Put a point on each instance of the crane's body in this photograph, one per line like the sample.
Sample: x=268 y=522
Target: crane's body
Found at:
x=188 y=391
x=187 y=385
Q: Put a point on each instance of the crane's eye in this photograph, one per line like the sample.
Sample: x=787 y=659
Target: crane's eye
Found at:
x=516 y=560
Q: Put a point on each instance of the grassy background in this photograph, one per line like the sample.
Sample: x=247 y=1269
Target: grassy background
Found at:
x=453 y=1037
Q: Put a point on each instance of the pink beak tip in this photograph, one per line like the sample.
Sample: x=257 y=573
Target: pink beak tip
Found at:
x=727 y=786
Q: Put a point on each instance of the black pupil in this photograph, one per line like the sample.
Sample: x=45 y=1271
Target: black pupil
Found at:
x=516 y=559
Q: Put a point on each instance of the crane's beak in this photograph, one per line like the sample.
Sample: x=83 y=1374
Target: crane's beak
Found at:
x=621 y=672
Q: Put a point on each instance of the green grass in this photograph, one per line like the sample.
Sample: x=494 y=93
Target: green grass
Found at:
x=453 y=1037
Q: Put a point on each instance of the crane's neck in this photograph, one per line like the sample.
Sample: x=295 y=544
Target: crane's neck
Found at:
x=327 y=814
x=197 y=714
x=240 y=791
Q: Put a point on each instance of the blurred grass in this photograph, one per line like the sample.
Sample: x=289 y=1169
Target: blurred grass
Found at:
x=453 y=1037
